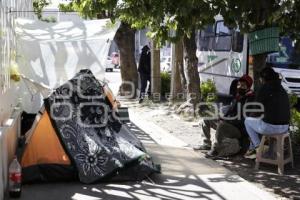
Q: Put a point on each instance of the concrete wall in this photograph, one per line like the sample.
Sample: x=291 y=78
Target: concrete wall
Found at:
x=9 y=116
x=8 y=144
x=9 y=11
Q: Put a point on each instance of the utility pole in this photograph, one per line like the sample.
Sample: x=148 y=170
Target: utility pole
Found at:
x=155 y=72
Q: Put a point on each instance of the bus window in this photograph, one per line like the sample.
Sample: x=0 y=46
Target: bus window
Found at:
x=237 y=41
x=206 y=38
x=217 y=38
x=221 y=29
x=222 y=41
x=208 y=32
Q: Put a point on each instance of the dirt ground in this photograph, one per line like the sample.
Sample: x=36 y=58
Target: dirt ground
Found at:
x=285 y=187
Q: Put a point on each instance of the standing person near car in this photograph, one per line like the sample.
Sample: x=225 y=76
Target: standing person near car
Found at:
x=144 y=70
x=276 y=115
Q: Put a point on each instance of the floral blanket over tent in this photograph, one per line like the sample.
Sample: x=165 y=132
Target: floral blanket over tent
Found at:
x=96 y=142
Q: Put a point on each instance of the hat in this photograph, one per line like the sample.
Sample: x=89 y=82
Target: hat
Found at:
x=246 y=78
x=145 y=48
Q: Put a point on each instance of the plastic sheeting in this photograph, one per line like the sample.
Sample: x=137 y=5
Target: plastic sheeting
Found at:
x=51 y=53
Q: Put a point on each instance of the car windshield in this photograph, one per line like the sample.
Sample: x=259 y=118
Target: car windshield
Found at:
x=287 y=57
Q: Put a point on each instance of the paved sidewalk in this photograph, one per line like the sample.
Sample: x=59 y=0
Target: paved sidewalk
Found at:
x=284 y=187
x=185 y=175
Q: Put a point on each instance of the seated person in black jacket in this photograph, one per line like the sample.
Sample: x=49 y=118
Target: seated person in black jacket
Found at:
x=231 y=125
x=276 y=110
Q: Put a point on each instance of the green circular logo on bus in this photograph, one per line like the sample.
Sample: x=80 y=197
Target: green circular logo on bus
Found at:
x=236 y=65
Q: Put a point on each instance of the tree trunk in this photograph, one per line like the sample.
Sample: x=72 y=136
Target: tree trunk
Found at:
x=191 y=69
x=259 y=62
x=182 y=74
x=177 y=87
x=155 y=72
x=125 y=39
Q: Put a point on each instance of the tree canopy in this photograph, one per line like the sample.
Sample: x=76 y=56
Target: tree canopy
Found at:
x=170 y=20
x=38 y=6
x=167 y=19
x=251 y=15
x=93 y=8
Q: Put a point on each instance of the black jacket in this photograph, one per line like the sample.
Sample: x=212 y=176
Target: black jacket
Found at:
x=145 y=62
x=276 y=103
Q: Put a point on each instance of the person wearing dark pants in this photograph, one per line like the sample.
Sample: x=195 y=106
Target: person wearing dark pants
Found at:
x=227 y=140
x=144 y=70
x=145 y=78
x=206 y=126
x=231 y=127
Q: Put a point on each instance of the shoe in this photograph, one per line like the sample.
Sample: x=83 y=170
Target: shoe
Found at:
x=141 y=100
x=250 y=154
x=202 y=147
x=212 y=153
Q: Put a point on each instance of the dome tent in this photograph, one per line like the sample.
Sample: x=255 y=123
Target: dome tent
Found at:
x=76 y=135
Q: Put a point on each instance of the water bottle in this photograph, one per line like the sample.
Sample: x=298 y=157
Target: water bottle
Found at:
x=15 y=178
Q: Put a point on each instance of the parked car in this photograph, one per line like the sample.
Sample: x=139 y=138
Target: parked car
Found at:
x=109 y=66
x=115 y=58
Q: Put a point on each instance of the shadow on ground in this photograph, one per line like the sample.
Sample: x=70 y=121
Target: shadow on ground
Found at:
x=286 y=185
x=178 y=183
x=186 y=175
x=165 y=188
x=140 y=134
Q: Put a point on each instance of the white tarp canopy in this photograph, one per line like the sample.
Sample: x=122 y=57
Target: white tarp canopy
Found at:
x=51 y=53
